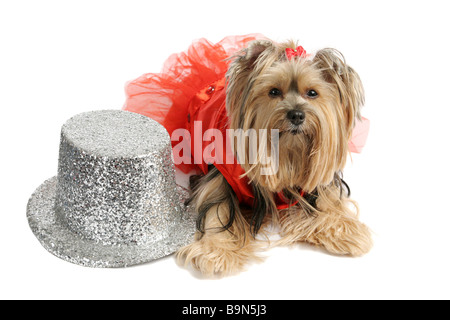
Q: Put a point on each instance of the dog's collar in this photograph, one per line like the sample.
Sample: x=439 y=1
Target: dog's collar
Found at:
x=284 y=202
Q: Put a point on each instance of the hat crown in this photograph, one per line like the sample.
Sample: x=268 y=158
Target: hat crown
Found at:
x=116 y=178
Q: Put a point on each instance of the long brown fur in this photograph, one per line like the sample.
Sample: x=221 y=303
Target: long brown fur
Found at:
x=309 y=159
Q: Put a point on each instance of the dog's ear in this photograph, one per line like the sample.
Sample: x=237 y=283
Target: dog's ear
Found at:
x=241 y=74
x=336 y=71
x=247 y=58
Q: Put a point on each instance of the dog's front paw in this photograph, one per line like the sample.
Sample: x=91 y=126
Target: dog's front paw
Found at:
x=346 y=236
x=215 y=259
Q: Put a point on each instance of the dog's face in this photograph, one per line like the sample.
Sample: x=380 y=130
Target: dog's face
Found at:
x=313 y=102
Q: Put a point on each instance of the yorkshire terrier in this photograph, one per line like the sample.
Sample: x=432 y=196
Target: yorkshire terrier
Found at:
x=314 y=102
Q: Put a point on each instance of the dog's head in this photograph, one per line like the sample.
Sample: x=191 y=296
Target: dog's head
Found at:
x=312 y=100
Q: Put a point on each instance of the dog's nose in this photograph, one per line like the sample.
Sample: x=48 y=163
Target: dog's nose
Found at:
x=296 y=117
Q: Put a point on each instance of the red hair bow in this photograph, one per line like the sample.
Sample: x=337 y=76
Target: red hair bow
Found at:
x=297 y=52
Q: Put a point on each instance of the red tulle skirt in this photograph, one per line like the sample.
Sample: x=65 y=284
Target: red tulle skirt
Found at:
x=166 y=96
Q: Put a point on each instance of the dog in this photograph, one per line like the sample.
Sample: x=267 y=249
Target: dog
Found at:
x=314 y=102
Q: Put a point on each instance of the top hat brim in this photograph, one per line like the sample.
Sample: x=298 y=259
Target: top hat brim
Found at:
x=69 y=246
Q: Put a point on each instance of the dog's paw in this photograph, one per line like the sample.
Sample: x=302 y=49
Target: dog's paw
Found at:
x=347 y=236
x=210 y=259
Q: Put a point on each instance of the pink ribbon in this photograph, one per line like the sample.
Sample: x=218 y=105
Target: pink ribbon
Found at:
x=297 y=52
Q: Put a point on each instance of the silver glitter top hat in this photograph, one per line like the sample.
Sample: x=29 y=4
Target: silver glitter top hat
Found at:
x=115 y=202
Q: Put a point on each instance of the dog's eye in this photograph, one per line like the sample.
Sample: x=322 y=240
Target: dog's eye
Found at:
x=312 y=94
x=274 y=93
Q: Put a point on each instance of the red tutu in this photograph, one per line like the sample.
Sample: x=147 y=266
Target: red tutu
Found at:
x=166 y=96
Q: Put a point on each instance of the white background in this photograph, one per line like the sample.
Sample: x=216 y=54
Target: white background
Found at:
x=61 y=58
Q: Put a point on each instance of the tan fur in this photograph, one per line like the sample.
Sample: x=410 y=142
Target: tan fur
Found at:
x=308 y=160
x=334 y=226
x=218 y=251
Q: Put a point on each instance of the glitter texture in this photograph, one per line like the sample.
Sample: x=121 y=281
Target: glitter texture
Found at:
x=114 y=202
